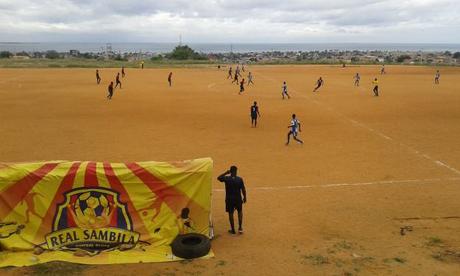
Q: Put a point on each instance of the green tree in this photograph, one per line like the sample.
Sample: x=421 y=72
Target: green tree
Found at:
x=22 y=54
x=120 y=58
x=52 y=54
x=456 y=55
x=388 y=59
x=185 y=52
x=157 y=58
x=5 y=54
x=403 y=58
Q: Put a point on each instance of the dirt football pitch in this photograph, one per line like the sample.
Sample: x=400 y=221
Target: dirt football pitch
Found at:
x=371 y=168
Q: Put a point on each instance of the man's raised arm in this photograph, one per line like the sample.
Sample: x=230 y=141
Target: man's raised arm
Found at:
x=221 y=177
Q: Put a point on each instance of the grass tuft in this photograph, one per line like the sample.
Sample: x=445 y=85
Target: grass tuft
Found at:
x=316 y=259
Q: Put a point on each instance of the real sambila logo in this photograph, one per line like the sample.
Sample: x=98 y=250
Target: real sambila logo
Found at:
x=92 y=219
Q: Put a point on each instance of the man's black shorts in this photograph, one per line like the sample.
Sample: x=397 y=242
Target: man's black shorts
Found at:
x=232 y=205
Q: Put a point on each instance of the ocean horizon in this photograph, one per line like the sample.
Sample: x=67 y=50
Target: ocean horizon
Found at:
x=224 y=47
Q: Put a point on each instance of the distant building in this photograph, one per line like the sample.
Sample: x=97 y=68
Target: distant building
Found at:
x=74 y=53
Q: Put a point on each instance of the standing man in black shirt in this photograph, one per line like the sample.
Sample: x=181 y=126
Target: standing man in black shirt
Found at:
x=254 y=114
x=234 y=187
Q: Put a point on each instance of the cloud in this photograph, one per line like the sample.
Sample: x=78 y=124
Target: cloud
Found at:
x=231 y=21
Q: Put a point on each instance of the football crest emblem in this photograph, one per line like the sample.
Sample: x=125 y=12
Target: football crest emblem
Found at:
x=92 y=219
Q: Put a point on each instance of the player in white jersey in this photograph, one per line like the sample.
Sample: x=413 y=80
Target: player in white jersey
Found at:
x=357 y=79
x=250 y=78
x=437 y=77
x=294 y=129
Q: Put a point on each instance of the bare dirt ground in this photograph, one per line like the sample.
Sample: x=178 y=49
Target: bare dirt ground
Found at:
x=334 y=206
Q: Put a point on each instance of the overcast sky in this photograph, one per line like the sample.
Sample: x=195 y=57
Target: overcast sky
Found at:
x=284 y=21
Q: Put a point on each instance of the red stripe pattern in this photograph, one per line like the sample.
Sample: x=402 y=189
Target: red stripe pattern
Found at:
x=66 y=185
x=116 y=185
x=90 y=175
x=14 y=194
x=174 y=198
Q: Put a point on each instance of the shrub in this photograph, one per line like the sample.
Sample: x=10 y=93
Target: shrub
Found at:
x=5 y=54
x=185 y=52
x=22 y=54
x=120 y=58
x=52 y=54
x=157 y=58
x=403 y=58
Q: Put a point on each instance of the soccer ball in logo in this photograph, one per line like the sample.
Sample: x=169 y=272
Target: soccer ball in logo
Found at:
x=92 y=210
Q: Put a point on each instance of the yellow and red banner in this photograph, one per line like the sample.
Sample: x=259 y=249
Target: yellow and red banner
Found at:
x=100 y=213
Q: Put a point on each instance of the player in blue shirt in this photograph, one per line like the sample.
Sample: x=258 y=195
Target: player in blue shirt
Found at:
x=294 y=130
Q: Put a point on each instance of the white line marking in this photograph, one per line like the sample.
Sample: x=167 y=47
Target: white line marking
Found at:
x=359 y=124
x=383 y=182
x=447 y=166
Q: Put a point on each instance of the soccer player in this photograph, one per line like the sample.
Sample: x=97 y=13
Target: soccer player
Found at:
x=237 y=71
x=376 y=87
x=242 y=67
x=357 y=79
x=319 y=83
x=294 y=130
x=250 y=79
x=117 y=80
x=110 y=90
x=254 y=114
x=170 y=79
x=142 y=64
x=437 y=77
x=123 y=71
x=234 y=187
x=98 y=78
x=382 y=71
x=236 y=79
x=285 y=91
x=230 y=75
x=241 y=86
